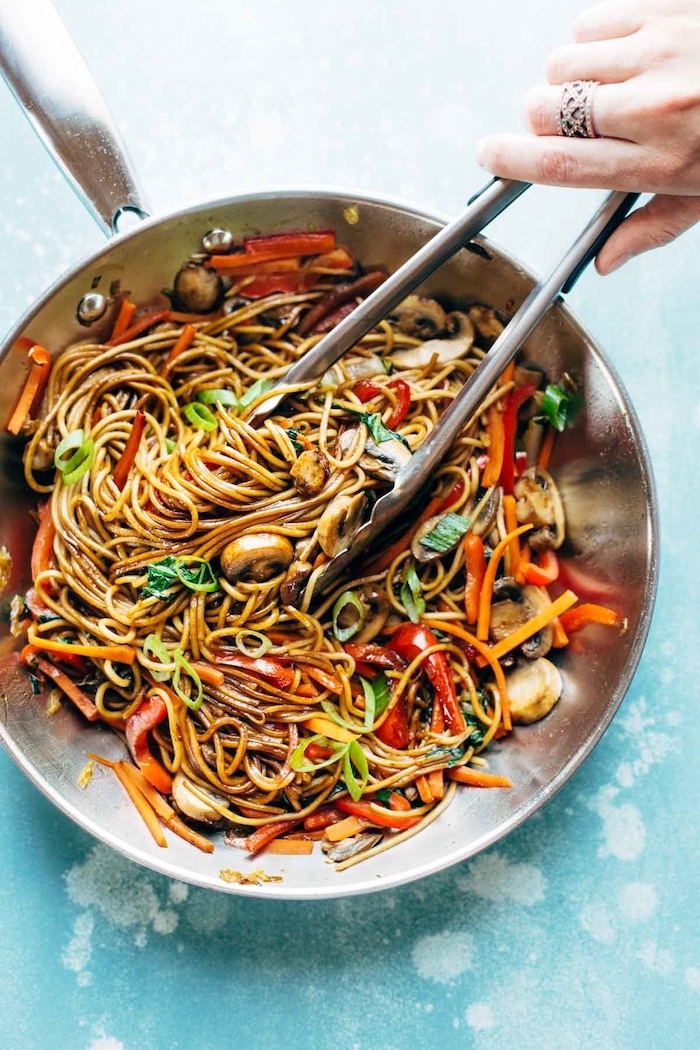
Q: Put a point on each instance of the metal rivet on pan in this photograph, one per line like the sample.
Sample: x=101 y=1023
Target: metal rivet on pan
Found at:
x=91 y=308
x=217 y=240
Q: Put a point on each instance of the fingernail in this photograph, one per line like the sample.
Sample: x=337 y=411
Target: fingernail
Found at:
x=480 y=154
x=618 y=263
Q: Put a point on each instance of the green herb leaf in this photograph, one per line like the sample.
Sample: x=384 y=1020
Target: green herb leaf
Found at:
x=382 y=694
x=195 y=573
x=447 y=533
x=387 y=365
x=355 y=756
x=35 y=684
x=254 y=392
x=456 y=754
x=373 y=422
x=293 y=434
x=411 y=595
x=559 y=406
x=345 y=603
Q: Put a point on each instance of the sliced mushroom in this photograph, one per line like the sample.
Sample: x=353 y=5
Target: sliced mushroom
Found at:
x=295 y=582
x=525 y=373
x=376 y=605
x=533 y=690
x=532 y=441
x=191 y=801
x=43 y=458
x=445 y=350
x=198 y=289
x=346 y=848
x=537 y=644
x=486 y=323
x=507 y=616
x=507 y=589
x=355 y=367
x=420 y=317
x=512 y=608
x=310 y=472
x=339 y=522
x=459 y=324
x=486 y=518
x=260 y=557
x=385 y=459
x=539 y=504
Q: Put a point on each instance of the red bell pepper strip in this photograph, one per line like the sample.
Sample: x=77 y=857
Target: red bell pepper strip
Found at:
x=126 y=460
x=394 y=730
x=127 y=309
x=379 y=815
x=291 y=243
x=364 y=390
x=138 y=726
x=475 y=559
x=323 y=817
x=139 y=327
x=270 y=669
x=42 y=550
x=265 y=834
x=273 y=284
x=492 y=470
x=341 y=295
x=376 y=656
x=510 y=425
x=71 y=690
x=545 y=572
x=403 y=403
x=409 y=641
x=581 y=615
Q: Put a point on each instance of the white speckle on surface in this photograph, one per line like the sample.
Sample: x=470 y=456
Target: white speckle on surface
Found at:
x=207 y=912
x=658 y=960
x=165 y=922
x=596 y=919
x=692 y=977
x=638 y=901
x=443 y=957
x=106 y=1042
x=178 y=891
x=266 y=131
x=493 y=877
x=624 y=775
x=623 y=830
x=141 y=938
x=479 y=1016
x=78 y=951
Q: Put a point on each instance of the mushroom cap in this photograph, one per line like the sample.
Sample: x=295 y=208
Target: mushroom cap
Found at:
x=420 y=317
x=190 y=800
x=261 y=556
x=198 y=288
x=310 y=472
x=533 y=690
x=539 y=504
x=339 y=522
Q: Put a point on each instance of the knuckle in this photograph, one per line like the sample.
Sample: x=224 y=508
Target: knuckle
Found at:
x=538 y=114
x=555 y=166
x=557 y=66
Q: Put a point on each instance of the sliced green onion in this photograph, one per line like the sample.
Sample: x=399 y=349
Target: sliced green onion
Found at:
x=201 y=579
x=559 y=406
x=70 y=443
x=254 y=392
x=80 y=463
x=170 y=445
x=447 y=533
x=329 y=708
x=155 y=647
x=181 y=664
x=263 y=646
x=201 y=417
x=382 y=694
x=224 y=397
x=412 y=595
x=355 y=756
x=298 y=760
x=346 y=599
x=387 y=365
x=370 y=702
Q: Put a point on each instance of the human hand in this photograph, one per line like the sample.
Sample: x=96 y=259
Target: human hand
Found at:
x=645 y=55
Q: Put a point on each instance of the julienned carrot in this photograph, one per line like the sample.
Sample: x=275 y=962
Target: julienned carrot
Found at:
x=423 y=787
x=486 y=654
x=323 y=726
x=243 y=262
x=546 y=449
x=139 y=327
x=264 y=835
x=165 y=811
x=587 y=613
x=345 y=828
x=477 y=778
x=127 y=309
x=210 y=675
x=507 y=374
x=525 y=559
x=475 y=565
x=290 y=847
x=128 y=456
x=119 y=654
x=511 y=521
x=42 y=548
x=295 y=243
x=521 y=634
x=496 y=435
x=380 y=815
x=68 y=686
x=33 y=388
x=482 y=626
x=398 y=802
x=560 y=638
x=436 y=784
x=184 y=341
x=150 y=713
x=145 y=810
x=545 y=572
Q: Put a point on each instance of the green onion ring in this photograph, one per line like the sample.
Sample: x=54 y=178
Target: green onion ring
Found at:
x=200 y=416
x=71 y=442
x=224 y=397
x=344 y=633
x=80 y=463
x=181 y=664
x=153 y=645
x=201 y=583
x=264 y=643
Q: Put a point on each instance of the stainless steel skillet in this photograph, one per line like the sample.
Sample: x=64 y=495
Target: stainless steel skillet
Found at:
x=601 y=465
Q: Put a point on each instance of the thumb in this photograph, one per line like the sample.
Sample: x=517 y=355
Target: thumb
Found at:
x=659 y=222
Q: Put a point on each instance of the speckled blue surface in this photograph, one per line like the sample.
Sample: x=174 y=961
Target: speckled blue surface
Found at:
x=581 y=929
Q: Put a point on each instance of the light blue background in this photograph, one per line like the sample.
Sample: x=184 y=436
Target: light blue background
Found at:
x=581 y=929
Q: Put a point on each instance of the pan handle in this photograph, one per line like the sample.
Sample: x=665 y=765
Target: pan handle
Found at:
x=56 y=90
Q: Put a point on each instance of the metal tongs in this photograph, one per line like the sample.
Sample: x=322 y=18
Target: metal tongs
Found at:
x=485 y=206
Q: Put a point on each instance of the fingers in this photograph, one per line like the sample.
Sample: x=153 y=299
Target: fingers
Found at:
x=587 y=163
x=659 y=222
x=608 y=61
x=608 y=21
x=609 y=108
